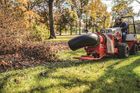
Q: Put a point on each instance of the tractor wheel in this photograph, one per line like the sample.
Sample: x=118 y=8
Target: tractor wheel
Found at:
x=123 y=50
x=134 y=49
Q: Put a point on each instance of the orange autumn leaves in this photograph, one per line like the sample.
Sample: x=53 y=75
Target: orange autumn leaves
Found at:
x=29 y=15
x=98 y=11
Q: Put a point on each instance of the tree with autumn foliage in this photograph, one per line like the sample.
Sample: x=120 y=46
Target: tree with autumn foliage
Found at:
x=78 y=6
x=26 y=8
x=98 y=12
x=66 y=19
x=122 y=8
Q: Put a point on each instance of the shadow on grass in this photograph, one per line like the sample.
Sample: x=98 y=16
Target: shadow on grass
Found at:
x=119 y=80
x=124 y=80
x=4 y=80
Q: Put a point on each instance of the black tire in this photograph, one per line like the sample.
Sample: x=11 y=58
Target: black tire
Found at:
x=123 y=50
x=134 y=49
x=83 y=41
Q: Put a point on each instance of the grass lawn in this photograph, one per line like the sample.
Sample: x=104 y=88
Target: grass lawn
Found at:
x=110 y=75
x=63 y=38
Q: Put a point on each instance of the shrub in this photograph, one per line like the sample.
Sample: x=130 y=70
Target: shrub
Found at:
x=39 y=33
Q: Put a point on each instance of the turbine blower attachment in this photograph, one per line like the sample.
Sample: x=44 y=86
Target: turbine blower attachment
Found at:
x=83 y=41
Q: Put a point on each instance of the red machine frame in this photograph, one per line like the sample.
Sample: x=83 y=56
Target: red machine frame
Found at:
x=100 y=51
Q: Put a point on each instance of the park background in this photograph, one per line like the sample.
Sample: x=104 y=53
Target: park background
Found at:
x=35 y=57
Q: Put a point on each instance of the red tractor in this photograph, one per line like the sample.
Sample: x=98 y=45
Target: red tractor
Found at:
x=108 y=42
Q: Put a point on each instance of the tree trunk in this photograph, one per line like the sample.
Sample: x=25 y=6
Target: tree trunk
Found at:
x=51 y=21
x=104 y=23
x=71 y=29
x=80 y=26
x=76 y=28
x=60 y=30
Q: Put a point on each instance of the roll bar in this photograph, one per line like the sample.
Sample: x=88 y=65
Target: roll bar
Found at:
x=135 y=32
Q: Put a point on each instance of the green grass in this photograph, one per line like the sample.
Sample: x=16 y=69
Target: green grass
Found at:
x=110 y=75
x=64 y=38
x=69 y=55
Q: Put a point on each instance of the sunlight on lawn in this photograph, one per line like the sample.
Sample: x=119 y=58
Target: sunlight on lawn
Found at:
x=107 y=75
x=137 y=70
x=62 y=38
x=69 y=54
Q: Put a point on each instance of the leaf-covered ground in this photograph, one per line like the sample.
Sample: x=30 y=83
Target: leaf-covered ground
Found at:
x=110 y=75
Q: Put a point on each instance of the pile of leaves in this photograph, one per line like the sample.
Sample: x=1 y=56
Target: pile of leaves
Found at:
x=30 y=54
x=42 y=51
x=38 y=51
x=8 y=46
